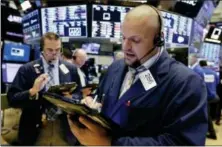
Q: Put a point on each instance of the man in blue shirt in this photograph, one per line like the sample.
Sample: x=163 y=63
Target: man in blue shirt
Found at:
x=194 y=65
x=212 y=80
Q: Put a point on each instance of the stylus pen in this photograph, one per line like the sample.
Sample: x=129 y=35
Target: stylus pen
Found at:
x=94 y=100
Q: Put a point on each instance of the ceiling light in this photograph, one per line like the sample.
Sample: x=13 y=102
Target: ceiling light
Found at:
x=26 y=5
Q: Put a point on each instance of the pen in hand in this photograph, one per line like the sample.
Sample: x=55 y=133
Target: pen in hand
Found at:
x=94 y=101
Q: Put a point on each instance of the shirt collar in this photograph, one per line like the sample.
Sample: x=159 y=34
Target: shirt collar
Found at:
x=45 y=63
x=147 y=64
x=194 y=65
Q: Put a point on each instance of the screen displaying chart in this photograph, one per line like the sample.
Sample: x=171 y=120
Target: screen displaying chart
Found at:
x=106 y=20
x=31 y=25
x=177 y=29
x=68 y=21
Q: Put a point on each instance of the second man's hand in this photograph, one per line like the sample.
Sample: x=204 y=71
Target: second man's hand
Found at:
x=88 y=101
x=38 y=84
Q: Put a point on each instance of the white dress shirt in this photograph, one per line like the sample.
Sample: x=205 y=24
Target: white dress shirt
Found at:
x=82 y=77
x=127 y=82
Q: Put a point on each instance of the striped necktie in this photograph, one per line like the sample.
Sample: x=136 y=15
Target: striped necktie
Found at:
x=51 y=81
x=52 y=111
x=131 y=77
x=129 y=81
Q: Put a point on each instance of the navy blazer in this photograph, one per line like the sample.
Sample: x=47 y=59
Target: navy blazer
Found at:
x=18 y=96
x=199 y=70
x=172 y=113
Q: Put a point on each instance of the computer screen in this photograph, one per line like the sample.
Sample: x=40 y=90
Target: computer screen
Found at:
x=91 y=48
x=9 y=71
x=31 y=25
x=16 y=52
x=205 y=13
x=37 y=51
x=177 y=29
x=66 y=21
x=214 y=35
x=196 y=38
x=211 y=52
x=106 y=20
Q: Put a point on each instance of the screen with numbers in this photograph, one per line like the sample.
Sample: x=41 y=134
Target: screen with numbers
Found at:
x=205 y=13
x=211 y=53
x=177 y=29
x=106 y=20
x=68 y=21
x=31 y=25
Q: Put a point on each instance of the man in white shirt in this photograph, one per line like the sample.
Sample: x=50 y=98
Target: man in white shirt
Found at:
x=79 y=59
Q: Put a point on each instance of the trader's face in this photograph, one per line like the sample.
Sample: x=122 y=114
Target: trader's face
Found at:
x=80 y=60
x=192 y=60
x=137 y=40
x=51 y=49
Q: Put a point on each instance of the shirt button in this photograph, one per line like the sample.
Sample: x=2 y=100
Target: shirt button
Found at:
x=37 y=125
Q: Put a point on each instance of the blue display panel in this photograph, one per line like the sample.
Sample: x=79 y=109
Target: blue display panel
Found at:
x=91 y=48
x=211 y=53
x=196 y=38
x=16 y=52
x=106 y=20
x=9 y=71
x=205 y=13
x=31 y=25
x=177 y=29
x=69 y=21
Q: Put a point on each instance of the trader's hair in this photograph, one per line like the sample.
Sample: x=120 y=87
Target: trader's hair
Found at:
x=203 y=63
x=50 y=36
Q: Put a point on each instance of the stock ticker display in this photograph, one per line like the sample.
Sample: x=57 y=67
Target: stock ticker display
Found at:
x=211 y=52
x=205 y=13
x=68 y=21
x=106 y=20
x=177 y=29
x=31 y=25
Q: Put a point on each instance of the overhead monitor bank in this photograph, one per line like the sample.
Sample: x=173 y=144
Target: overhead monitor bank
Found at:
x=106 y=20
x=67 y=21
x=31 y=25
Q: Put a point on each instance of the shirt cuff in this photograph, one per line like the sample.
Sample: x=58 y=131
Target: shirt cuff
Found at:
x=34 y=97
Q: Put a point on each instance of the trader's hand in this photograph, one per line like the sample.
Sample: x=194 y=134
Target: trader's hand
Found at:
x=88 y=101
x=86 y=91
x=67 y=94
x=38 y=84
x=91 y=134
